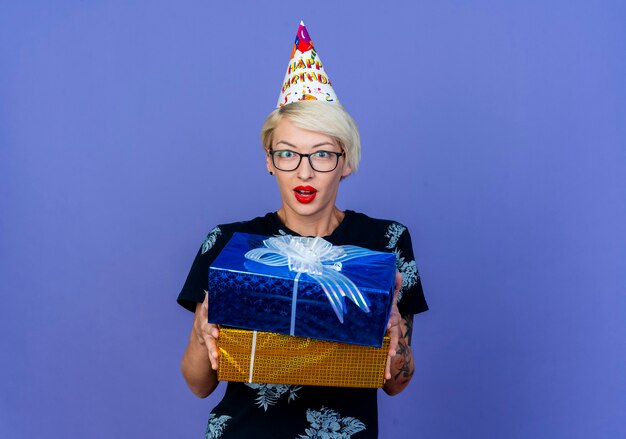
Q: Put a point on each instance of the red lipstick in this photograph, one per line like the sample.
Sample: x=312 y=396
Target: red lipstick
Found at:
x=305 y=194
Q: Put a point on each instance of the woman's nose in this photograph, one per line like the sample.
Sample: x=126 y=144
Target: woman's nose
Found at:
x=305 y=171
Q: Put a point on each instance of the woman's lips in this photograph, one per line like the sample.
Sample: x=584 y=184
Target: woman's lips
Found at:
x=305 y=194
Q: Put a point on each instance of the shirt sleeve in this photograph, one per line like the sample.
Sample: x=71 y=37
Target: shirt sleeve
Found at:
x=411 y=298
x=197 y=282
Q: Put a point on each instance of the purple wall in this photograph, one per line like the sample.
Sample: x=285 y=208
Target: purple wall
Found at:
x=494 y=130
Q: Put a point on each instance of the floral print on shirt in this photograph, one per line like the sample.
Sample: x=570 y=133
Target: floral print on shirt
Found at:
x=328 y=424
x=393 y=233
x=269 y=394
x=210 y=239
x=215 y=426
x=408 y=269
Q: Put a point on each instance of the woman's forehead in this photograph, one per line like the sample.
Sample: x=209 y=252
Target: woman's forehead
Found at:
x=289 y=134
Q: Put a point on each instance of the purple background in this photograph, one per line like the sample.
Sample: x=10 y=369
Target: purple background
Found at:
x=495 y=130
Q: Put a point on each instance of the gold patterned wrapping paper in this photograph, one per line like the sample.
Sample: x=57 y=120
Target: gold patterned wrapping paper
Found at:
x=284 y=359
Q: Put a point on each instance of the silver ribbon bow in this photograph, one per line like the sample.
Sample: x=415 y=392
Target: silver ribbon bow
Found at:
x=320 y=260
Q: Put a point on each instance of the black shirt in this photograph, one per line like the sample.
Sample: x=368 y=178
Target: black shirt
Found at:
x=251 y=410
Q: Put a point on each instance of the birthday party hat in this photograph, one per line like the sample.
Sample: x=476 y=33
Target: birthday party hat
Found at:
x=306 y=79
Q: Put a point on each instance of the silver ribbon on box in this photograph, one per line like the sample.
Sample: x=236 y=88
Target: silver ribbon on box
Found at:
x=320 y=260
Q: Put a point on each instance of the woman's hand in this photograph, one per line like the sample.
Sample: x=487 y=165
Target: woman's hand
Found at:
x=201 y=358
x=207 y=333
x=393 y=326
x=400 y=366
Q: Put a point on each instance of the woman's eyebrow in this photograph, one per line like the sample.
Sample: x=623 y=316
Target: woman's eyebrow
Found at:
x=323 y=144
x=286 y=143
x=314 y=146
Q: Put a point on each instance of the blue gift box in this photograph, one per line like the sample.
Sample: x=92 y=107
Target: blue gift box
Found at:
x=304 y=287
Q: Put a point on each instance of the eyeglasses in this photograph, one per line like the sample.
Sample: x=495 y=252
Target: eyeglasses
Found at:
x=320 y=161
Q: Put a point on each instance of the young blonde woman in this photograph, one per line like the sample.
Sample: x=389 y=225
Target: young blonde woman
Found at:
x=311 y=146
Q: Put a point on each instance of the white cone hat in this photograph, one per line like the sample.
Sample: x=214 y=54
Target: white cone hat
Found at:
x=306 y=79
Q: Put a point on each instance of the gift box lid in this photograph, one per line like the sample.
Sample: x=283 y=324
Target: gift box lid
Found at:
x=302 y=286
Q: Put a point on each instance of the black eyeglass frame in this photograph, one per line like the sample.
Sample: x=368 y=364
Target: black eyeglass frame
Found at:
x=308 y=156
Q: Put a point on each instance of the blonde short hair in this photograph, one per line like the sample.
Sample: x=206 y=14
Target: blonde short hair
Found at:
x=322 y=117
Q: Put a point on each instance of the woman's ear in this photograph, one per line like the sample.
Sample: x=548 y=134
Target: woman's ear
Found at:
x=347 y=170
x=268 y=163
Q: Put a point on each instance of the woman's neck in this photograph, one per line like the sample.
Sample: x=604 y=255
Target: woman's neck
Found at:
x=311 y=226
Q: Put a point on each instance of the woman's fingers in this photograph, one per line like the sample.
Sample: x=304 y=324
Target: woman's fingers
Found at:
x=209 y=333
x=387 y=369
x=398 y=282
x=394 y=335
x=205 y=306
x=393 y=326
x=394 y=318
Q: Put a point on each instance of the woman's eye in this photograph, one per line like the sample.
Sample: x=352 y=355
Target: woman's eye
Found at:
x=284 y=154
x=322 y=154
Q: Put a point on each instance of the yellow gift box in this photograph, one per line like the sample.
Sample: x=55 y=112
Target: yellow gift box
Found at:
x=266 y=357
